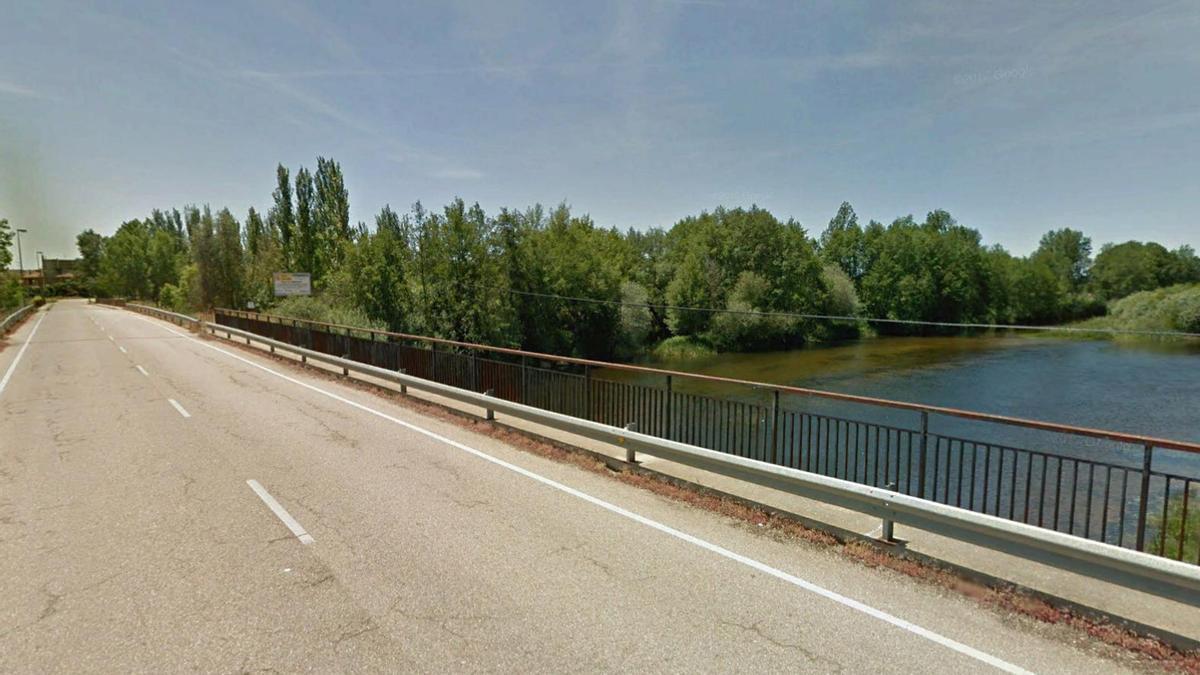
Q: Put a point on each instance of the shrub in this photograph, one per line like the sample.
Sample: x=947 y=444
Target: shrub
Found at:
x=173 y=298
x=314 y=308
x=38 y=301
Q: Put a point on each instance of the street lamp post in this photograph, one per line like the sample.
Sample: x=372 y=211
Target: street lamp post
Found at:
x=42 y=267
x=20 y=258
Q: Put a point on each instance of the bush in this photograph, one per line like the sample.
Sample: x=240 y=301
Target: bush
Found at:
x=11 y=294
x=38 y=301
x=173 y=298
x=312 y=308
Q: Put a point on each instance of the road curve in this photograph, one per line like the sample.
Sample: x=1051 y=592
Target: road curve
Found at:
x=172 y=503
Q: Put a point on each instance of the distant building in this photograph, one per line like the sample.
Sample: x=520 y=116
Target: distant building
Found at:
x=52 y=271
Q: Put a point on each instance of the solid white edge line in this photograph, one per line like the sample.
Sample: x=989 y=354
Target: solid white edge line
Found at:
x=280 y=512
x=20 y=352
x=178 y=408
x=142 y=370
x=936 y=638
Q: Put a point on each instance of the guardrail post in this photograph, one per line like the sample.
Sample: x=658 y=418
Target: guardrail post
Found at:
x=403 y=387
x=1144 y=497
x=491 y=414
x=775 y=428
x=921 y=459
x=630 y=453
x=887 y=529
x=345 y=370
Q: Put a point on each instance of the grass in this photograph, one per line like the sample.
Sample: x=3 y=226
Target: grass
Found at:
x=1174 y=308
x=681 y=347
x=1182 y=540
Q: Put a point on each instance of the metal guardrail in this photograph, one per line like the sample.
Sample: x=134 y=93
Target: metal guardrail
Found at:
x=182 y=320
x=1131 y=569
x=1127 y=489
x=12 y=319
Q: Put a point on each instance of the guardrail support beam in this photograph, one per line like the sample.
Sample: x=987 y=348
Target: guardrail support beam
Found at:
x=403 y=387
x=491 y=414
x=630 y=453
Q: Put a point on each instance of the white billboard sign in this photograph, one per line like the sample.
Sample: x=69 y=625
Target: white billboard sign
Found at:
x=292 y=283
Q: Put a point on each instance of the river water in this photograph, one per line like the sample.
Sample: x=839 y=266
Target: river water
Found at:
x=1142 y=387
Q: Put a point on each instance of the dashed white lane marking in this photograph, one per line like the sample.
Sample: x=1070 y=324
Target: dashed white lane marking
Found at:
x=280 y=512
x=142 y=371
x=21 y=352
x=123 y=350
x=178 y=408
x=110 y=339
x=896 y=621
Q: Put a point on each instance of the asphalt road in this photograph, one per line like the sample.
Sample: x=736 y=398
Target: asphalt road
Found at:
x=136 y=467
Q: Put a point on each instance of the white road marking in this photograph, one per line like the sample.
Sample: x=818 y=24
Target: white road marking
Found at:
x=913 y=628
x=123 y=350
x=142 y=371
x=281 y=513
x=178 y=408
x=110 y=339
x=21 y=352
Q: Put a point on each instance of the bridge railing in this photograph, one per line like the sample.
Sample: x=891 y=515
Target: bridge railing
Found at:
x=11 y=319
x=1130 y=490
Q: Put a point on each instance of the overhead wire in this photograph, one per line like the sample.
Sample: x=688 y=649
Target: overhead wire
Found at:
x=867 y=319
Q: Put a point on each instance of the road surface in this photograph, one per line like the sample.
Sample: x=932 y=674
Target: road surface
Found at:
x=173 y=503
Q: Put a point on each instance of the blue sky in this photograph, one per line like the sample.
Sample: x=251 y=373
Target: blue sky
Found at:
x=1016 y=117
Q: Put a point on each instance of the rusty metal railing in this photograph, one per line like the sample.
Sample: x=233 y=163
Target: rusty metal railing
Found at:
x=1131 y=490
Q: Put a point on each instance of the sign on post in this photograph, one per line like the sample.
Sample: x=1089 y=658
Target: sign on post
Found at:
x=292 y=283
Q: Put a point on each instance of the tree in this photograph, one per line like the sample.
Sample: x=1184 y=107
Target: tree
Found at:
x=306 y=238
x=843 y=243
x=1068 y=255
x=378 y=267
x=283 y=218
x=256 y=232
x=1121 y=269
x=124 y=270
x=91 y=253
x=6 y=239
x=331 y=213
x=228 y=287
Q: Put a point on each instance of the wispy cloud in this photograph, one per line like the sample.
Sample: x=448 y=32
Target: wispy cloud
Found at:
x=457 y=174
x=14 y=89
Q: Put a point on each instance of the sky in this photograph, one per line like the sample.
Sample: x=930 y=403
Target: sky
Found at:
x=1017 y=117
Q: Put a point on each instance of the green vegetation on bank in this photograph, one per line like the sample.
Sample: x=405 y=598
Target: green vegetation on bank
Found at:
x=1174 y=308
x=503 y=278
x=11 y=293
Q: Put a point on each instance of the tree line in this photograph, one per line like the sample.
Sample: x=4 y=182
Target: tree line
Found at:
x=507 y=278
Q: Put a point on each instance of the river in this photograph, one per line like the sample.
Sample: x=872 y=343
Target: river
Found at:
x=1142 y=387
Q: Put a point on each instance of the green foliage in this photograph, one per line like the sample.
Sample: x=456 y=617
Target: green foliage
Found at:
x=38 y=301
x=509 y=279
x=935 y=271
x=125 y=267
x=1121 y=269
x=1177 y=536
x=309 y=308
x=6 y=239
x=173 y=298
x=1175 y=308
x=681 y=347
x=713 y=251
x=11 y=293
